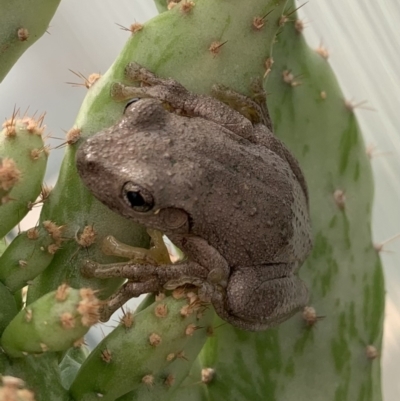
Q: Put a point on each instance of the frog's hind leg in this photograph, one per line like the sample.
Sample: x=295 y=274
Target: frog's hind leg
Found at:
x=255 y=300
x=254 y=110
x=176 y=98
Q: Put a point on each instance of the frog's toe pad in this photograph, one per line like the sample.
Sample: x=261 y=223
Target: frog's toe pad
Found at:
x=117 y=91
x=89 y=268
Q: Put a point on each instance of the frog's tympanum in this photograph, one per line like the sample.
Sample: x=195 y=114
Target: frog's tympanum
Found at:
x=211 y=176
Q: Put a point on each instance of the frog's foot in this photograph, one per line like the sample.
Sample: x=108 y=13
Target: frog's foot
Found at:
x=216 y=281
x=150 y=278
x=254 y=110
x=214 y=277
x=157 y=254
x=124 y=294
x=121 y=92
x=168 y=91
x=205 y=288
x=183 y=281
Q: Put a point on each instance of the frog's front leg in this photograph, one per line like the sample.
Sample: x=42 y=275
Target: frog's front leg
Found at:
x=168 y=273
x=144 y=278
x=206 y=269
x=156 y=254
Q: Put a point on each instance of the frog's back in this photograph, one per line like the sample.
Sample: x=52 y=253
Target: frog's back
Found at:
x=252 y=207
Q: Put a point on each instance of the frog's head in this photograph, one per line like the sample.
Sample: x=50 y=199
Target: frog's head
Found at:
x=142 y=170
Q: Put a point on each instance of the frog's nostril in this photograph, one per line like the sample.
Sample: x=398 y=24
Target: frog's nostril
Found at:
x=90 y=164
x=85 y=161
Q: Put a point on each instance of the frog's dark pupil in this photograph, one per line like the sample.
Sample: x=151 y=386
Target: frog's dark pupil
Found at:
x=135 y=199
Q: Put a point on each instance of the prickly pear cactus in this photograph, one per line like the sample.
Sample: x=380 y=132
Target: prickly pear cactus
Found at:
x=154 y=353
x=55 y=322
x=333 y=342
x=166 y=336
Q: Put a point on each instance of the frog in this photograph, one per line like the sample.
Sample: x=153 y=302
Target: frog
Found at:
x=207 y=172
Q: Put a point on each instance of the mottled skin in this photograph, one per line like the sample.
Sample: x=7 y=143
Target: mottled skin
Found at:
x=216 y=181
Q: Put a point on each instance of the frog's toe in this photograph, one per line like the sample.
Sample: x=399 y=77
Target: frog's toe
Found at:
x=132 y=70
x=218 y=276
x=206 y=292
x=135 y=72
x=117 y=91
x=89 y=268
x=182 y=281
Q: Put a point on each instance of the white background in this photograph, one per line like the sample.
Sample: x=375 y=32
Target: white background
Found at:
x=363 y=40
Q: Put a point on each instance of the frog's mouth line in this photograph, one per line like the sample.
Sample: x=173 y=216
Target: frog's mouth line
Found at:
x=190 y=222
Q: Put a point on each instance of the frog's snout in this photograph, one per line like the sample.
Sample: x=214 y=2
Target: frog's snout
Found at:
x=86 y=161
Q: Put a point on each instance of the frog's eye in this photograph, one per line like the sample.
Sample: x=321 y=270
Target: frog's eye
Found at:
x=138 y=198
x=134 y=100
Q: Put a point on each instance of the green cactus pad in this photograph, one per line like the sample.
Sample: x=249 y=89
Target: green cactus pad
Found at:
x=3 y=246
x=40 y=373
x=21 y=148
x=162 y=5
x=8 y=307
x=54 y=322
x=323 y=354
x=71 y=364
x=193 y=388
x=29 y=254
x=148 y=354
x=232 y=51
x=22 y=24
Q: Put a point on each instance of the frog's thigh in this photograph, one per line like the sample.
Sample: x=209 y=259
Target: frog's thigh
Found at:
x=206 y=255
x=253 y=295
